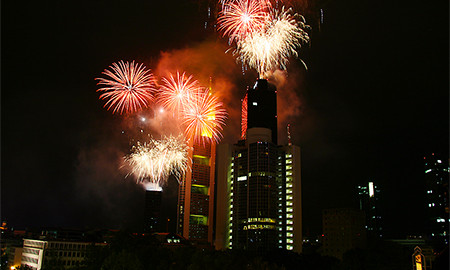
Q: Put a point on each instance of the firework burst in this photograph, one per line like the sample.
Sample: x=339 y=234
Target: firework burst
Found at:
x=271 y=48
x=152 y=162
x=204 y=118
x=264 y=3
x=177 y=92
x=128 y=88
x=241 y=18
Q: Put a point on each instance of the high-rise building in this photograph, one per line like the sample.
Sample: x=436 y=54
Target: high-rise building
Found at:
x=259 y=182
x=343 y=229
x=437 y=197
x=152 y=215
x=368 y=199
x=196 y=194
x=262 y=108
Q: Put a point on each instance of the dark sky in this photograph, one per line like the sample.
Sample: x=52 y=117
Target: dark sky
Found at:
x=373 y=102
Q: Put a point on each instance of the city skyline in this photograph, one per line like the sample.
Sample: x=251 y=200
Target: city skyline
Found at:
x=372 y=104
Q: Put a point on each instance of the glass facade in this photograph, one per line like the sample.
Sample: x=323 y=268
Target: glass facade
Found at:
x=259 y=182
x=262 y=197
x=436 y=172
x=368 y=198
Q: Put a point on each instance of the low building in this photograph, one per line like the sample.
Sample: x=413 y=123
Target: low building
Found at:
x=37 y=253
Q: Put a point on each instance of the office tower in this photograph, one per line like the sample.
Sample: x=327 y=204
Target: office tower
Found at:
x=196 y=195
x=343 y=229
x=262 y=108
x=259 y=182
x=437 y=197
x=368 y=199
x=152 y=215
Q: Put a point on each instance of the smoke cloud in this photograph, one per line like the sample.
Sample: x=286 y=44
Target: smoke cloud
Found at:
x=212 y=67
x=104 y=193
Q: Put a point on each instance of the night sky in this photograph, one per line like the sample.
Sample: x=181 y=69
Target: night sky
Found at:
x=372 y=103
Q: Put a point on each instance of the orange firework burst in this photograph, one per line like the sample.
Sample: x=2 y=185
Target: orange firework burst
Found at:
x=177 y=92
x=129 y=87
x=204 y=117
x=238 y=19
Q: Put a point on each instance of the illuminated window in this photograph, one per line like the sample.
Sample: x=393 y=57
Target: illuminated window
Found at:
x=255 y=103
x=242 y=178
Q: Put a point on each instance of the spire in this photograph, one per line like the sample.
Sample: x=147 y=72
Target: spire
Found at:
x=289 y=134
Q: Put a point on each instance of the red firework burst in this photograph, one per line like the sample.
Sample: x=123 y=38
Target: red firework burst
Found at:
x=238 y=19
x=129 y=87
x=177 y=92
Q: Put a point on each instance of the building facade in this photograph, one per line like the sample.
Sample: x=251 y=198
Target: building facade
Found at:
x=152 y=211
x=196 y=194
x=259 y=183
x=343 y=229
x=38 y=253
x=437 y=197
x=369 y=202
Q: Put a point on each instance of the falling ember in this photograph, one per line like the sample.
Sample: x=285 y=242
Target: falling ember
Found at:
x=241 y=18
x=177 y=92
x=128 y=88
x=204 y=118
x=154 y=161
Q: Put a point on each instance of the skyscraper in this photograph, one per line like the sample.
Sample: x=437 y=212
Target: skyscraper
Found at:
x=259 y=182
x=368 y=199
x=196 y=195
x=152 y=215
x=437 y=197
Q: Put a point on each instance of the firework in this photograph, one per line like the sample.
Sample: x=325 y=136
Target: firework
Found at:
x=270 y=49
x=264 y=3
x=204 y=117
x=152 y=162
x=177 y=92
x=129 y=87
x=241 y=18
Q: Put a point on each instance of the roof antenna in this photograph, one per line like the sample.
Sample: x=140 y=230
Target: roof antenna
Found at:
x=289 y=134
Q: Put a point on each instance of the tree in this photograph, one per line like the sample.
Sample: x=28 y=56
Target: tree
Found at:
x=122 y=260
